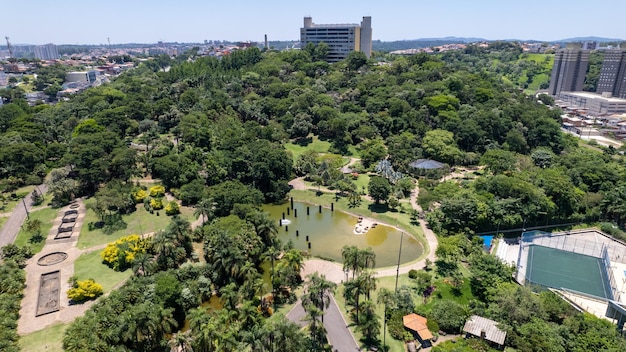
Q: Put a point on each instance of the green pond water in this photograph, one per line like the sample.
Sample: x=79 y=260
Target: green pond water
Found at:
x=329 y=231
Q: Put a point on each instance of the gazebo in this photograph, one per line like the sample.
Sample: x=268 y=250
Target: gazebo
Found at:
x=416 y=324
x=425 y=167
x=427 y=164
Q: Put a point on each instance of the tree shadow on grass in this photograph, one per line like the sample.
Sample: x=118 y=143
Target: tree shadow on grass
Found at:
x=303 y=142
x=378 y=208
x=112 y=223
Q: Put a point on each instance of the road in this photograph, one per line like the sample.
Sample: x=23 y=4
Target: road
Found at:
x=339 y=336
x=12 y=227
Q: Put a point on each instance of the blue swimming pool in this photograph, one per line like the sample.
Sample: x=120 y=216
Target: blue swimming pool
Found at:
x=487 y=241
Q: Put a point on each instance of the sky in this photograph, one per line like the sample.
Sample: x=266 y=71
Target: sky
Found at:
x=149 y=21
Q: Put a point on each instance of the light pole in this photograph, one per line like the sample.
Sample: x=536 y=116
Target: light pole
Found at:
x=398 y=267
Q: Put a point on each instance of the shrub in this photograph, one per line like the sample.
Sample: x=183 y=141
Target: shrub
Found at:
x=172 y=208
x=120 y=254
x=157 y=191
x=84 y=290
x=156 y=203
x=139 y=195
x=413 y=274
x=395 y=326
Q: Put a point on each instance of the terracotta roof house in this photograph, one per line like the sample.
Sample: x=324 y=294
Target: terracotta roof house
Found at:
x=485 y=329
x=416 y=324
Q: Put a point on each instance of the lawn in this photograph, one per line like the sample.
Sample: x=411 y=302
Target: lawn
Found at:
x=314 y=144
x=49 y=339
x=139 y=222
x=361 y=182
x=89 y=266
x=46 y=216
x=21 y=192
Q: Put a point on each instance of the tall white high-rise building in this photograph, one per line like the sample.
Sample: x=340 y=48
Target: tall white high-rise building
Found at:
x=340 y=38
x=46 y=52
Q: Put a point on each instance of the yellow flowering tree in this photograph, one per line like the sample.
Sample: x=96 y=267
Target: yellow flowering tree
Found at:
x=84 y=290
x=172 y=208
x=157 y=191
x=156 y=203
x=139 y=195
x=120 y=254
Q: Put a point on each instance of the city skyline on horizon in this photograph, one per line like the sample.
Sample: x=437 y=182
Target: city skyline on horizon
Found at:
x=144 y=21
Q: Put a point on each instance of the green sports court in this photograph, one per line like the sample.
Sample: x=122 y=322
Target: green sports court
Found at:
x=556 y=268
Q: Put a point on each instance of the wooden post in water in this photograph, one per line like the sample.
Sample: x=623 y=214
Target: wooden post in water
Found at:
x=283 y=216
x=307 y=210
x=291 y=202
x=309 y=245
x=286 y=228
x=297 y=233
x=307 y=238
x=332 y=206
x=295 y=213
x=287 y=210
x=320 y=209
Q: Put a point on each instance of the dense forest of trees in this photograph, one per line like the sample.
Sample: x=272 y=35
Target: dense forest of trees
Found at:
x=213 y=131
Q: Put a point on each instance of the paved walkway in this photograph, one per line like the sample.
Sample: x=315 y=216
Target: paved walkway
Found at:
x=337 y=332
x=12 y=227
x=28 y=321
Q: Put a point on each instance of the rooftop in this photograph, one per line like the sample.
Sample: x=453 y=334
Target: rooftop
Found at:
x=590 y=95
x=417 y=323
x=484 y=328
x=426 y=164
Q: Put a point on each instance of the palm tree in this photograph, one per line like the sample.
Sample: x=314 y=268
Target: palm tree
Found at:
x=257 y=338
x=230 y=296
x=368 y=282
x=293 y=258
x=367 y=258
x=181 y=228
x=370 y=324
x=143 y=264
x=204 y=330
x=319 y=292
x=181 y=342
x=272 y=254
x=315 y=328
x=352 y=292
x=350 y=255
x=264 y=227
x=206 y=209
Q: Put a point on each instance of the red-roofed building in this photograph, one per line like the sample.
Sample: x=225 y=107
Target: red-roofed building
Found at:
x=416 y=324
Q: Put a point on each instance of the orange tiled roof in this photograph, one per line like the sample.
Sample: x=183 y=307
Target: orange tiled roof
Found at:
x=417 y=323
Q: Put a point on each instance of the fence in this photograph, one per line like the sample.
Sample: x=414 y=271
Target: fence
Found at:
x=609 y=273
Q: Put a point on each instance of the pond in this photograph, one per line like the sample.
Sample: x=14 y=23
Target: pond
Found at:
x=328 y=231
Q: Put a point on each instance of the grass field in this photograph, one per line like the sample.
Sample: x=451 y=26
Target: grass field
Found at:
x=21 y=192
x=46 y=216
x=315 y=145
x=89 y=266
x=140 y=221
x=49 y=339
